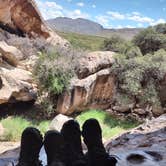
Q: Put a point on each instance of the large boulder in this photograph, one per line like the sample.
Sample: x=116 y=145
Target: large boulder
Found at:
x=22 y=17
x=16 y=82
x=16 y=85
x=94 y=62
x=11 y=54
x=94 y=91
x=94 y=87
x=58 y=121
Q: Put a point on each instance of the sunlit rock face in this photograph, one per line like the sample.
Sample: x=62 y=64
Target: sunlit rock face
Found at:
x=94 y=87
x=22 y=17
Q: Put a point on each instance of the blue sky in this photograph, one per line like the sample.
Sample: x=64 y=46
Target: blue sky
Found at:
x=109 y=13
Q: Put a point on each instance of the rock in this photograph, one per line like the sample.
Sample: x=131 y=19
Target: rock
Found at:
x=122 y=109
x=58 y=122
x=157 y=111
x=140 y=111
x=94 y=91
x=22 y=17
x=93 y=62
x=11 y=54
x=1 y=130
x=143 y=146
x=16 y=85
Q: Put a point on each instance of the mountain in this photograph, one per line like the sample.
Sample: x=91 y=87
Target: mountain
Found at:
x=87 y=27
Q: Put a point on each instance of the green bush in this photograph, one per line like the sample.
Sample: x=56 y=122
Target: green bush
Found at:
x=132 y=51
x=160 y=28
x=150 y=41
x=115 y=43
x=140 y=76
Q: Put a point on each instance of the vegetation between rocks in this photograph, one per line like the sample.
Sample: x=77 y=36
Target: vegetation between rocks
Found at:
x=140 y=66
x=53 y=71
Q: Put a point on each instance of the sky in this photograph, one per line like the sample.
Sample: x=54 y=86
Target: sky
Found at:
x=108 y=13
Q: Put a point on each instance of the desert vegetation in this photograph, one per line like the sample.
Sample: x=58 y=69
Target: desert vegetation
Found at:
x=140 y=66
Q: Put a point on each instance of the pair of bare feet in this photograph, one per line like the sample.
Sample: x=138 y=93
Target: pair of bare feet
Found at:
x=64 y=148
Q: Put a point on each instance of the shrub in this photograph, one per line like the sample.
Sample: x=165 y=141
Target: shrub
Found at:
x=53 y=71
x=150 y=41
x=160 y=28
x=132 y=51
x=140 y=76
x=115 y=43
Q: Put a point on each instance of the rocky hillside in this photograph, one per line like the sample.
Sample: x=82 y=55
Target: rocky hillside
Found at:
x=87 y=27
x=22 y=34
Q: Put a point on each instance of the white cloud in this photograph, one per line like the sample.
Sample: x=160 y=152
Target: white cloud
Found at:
x=119 y=27
x=159 y=21
x=136 y=13
x=50 y=9
x=103 y=20
x=116 y=15
x=76 y=14
x=80 y=4
x=93 y=6
x=129 y=26
x=54 y=5
x=142 y=19
x=140 y=25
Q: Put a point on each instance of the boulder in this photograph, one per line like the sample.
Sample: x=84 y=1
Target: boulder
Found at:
x=157 y=111
x=94 y=91
x=93 y=62
x=22 y=17
x=11 y=54
x=16 y=85
x=58 y=122
x=1 y=130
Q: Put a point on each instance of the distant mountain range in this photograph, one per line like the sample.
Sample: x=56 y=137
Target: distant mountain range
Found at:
x=87 y=27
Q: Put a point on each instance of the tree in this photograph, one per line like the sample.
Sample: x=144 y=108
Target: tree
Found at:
x=150 y=41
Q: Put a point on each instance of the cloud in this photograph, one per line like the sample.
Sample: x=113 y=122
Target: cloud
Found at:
x=103 y=20
x=51 y=9
x=142 y=19
x=53 y=5
x=76 y=14
x=80 y=4
x=93 y=6
x=159 y=21
x=116 y=15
